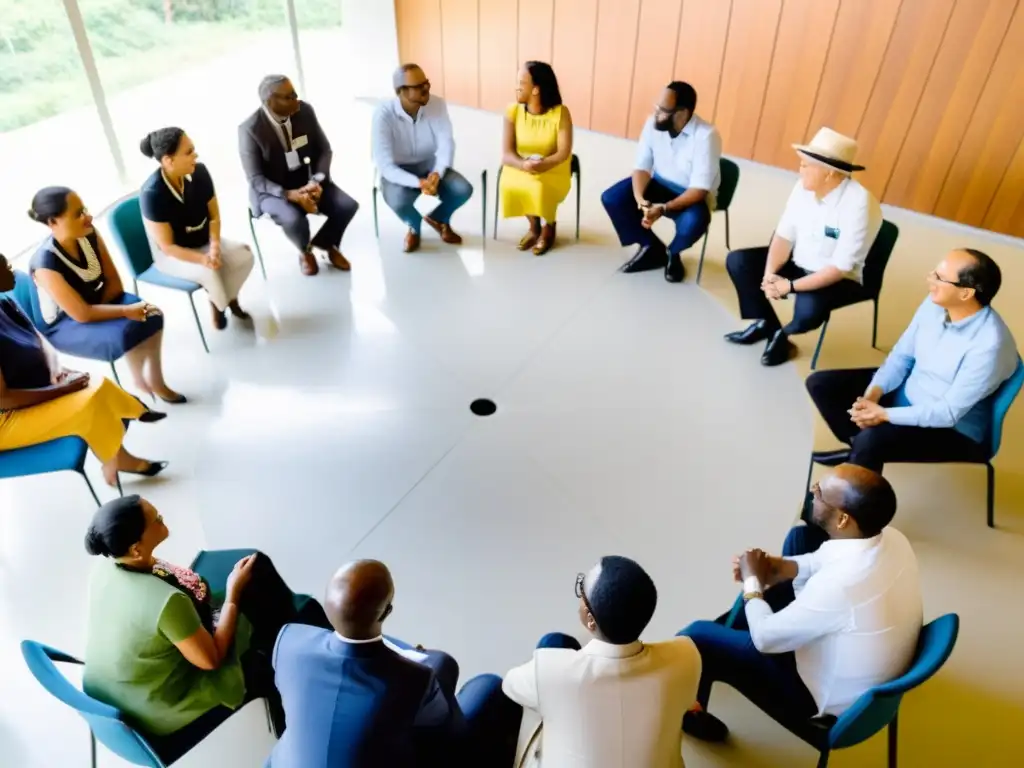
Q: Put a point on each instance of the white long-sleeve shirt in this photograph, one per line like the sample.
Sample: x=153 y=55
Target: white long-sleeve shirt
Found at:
x=855 y=620
x=399 y=140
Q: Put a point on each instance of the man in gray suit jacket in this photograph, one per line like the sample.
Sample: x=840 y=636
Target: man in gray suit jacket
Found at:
x=287 y=160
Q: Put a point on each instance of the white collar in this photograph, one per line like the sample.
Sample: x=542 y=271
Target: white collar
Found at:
x=837 y=549
x=377 y=639
x=178 y=197
x=274 y=118
x=609 y=651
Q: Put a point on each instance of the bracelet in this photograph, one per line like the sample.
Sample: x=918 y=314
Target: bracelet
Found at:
x=792 y=287
x=747 y=596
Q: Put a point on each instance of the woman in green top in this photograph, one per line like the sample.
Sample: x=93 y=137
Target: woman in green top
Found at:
x=173 y=651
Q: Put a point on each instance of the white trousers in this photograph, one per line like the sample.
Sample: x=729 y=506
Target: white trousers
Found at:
x=222 y=285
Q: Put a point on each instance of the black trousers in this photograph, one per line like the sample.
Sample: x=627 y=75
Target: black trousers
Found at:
x=833 y=392
x=336 y=205
x=812 y=309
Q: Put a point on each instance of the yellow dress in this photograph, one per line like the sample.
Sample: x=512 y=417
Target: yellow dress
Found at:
x=534 y=194
x=94 y=414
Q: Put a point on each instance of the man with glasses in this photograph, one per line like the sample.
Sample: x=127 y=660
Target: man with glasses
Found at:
x=287 y=160
x=839 y=613
x=931 y=399
x=676 y=174
x=616 y=702
x=413 y=149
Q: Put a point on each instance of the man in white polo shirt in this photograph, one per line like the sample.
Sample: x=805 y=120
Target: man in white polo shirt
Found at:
x=839 y=613
x=676 y=175
x=817 y=253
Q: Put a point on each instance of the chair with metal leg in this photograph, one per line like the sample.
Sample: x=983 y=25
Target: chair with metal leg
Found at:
x=62 y=454
x=730 y=179
x=483 y=205
x=574 y=170
x=255 y=240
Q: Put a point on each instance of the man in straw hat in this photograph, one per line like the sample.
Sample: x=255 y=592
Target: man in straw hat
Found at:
x=817 y=253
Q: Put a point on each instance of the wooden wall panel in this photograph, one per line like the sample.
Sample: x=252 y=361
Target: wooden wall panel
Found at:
x=748 y=57
x=703 y=29
x=419 y=38
x=801 y=46
x=499 y=56
x=536 y=23
x=919 y=30
x=931 y=89
x=461 y=61
x=654 y=60
x=614 y=51
x=573 y=57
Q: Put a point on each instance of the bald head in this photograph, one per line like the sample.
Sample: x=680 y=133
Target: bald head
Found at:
x=863 y=495
x=359 y=599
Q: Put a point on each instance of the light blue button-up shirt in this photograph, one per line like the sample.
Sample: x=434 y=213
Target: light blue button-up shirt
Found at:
x=399 y=140
x=947 y=369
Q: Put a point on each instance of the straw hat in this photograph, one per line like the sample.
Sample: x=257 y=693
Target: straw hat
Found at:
x=831 y=149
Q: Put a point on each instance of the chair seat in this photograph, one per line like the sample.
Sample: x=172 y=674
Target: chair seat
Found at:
x=154 y=276
x=52 y=456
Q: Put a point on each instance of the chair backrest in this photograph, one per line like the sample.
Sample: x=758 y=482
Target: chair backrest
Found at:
x=1002 y=399
x=104 y=720
x=26 y=295
x=574 y=165
x=730 y=173
x=875 y=709
x=130 y=235
x=878 y=257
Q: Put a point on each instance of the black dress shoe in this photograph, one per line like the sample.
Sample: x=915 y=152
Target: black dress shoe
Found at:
x=647 y=257
x=778 y=350
x=151 y=417
x=152 y=469
x=674 y=271
x=705 y=726
x=753 y=333
x=831 y=458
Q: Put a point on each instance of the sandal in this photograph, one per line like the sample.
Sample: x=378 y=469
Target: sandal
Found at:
x=547 y=239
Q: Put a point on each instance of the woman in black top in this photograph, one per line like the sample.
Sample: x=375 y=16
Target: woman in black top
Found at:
x=41 y=401
x=84 y=305
x=179 y=208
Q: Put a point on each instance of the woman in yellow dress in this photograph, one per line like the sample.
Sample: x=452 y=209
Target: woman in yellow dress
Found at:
x=536 y=155
x=42 y=401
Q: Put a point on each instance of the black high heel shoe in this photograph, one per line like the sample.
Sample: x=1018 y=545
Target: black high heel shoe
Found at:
x=151 y=417
x=152 y=469
x=175 y=401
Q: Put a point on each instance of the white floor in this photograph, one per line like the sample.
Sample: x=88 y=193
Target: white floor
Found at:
x=342 y=429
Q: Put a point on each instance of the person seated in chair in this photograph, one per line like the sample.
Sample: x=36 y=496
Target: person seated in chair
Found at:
x=174 y=651
x=839 y=613
x=676 y=174
x=817 y=253
x=182 y=217
x=40 y=400
x=616 y=702
x=413 y=149
x=354 y=699
x=85 y=308
x=931 y=399
x=287 y=160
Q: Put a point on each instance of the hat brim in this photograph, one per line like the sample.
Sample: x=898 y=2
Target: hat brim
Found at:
x=831 y=162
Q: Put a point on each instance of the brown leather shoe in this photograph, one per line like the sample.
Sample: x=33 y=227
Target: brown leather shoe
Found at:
x=220 y=320
x=307 y=263
x=337 y=260
x=530 y=238
x=547 y=239
x=412 y=241
x=445 y=231
x=238 y=312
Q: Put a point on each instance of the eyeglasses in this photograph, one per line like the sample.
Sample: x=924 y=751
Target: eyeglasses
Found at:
x=424 y=86
x=933 y=275
x=579 y=590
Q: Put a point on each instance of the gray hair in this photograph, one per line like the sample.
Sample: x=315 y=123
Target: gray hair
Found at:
x=398 y=79
x=269 y=84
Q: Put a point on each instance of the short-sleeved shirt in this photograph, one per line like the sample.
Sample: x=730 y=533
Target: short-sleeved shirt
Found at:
x=131 y=662
x=187 y=213
x=836 y=231
x=690 y=159
x=82 y=271
x=23 y=361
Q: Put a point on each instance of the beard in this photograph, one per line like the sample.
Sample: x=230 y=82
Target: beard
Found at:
x=663 y=125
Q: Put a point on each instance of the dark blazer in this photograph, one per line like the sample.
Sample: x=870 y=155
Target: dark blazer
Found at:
x=263 y=157
x=355 y=705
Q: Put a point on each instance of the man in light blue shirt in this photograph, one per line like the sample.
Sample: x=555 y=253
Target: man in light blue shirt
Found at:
x=413 y=150
x=676 y=175
x=931 y=401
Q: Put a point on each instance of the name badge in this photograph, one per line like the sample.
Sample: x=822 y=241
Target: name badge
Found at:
x=298 y=142
x=832 y=233
x=292 y=158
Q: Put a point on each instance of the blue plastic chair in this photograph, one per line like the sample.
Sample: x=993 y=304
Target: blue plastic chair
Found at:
x=874 y=272
x=730 y=179
x=130 y=234
x=64 y=453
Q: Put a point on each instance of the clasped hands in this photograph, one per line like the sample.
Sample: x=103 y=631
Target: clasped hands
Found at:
x=652 y=212
x=768 y=569
x=307 y=197
x=776 y=287
x=430 y=183
x=866 y=412
x=68 y=380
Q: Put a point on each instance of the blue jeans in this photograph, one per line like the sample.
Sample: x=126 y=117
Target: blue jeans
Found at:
x=728 y=655
x=453 y=191
x=691 y=223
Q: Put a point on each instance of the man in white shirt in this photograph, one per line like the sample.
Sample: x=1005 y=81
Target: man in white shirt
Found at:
x=817 y=253
x=676 y=174
x=839 y=613
x=413 y=149
x=617 y=702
